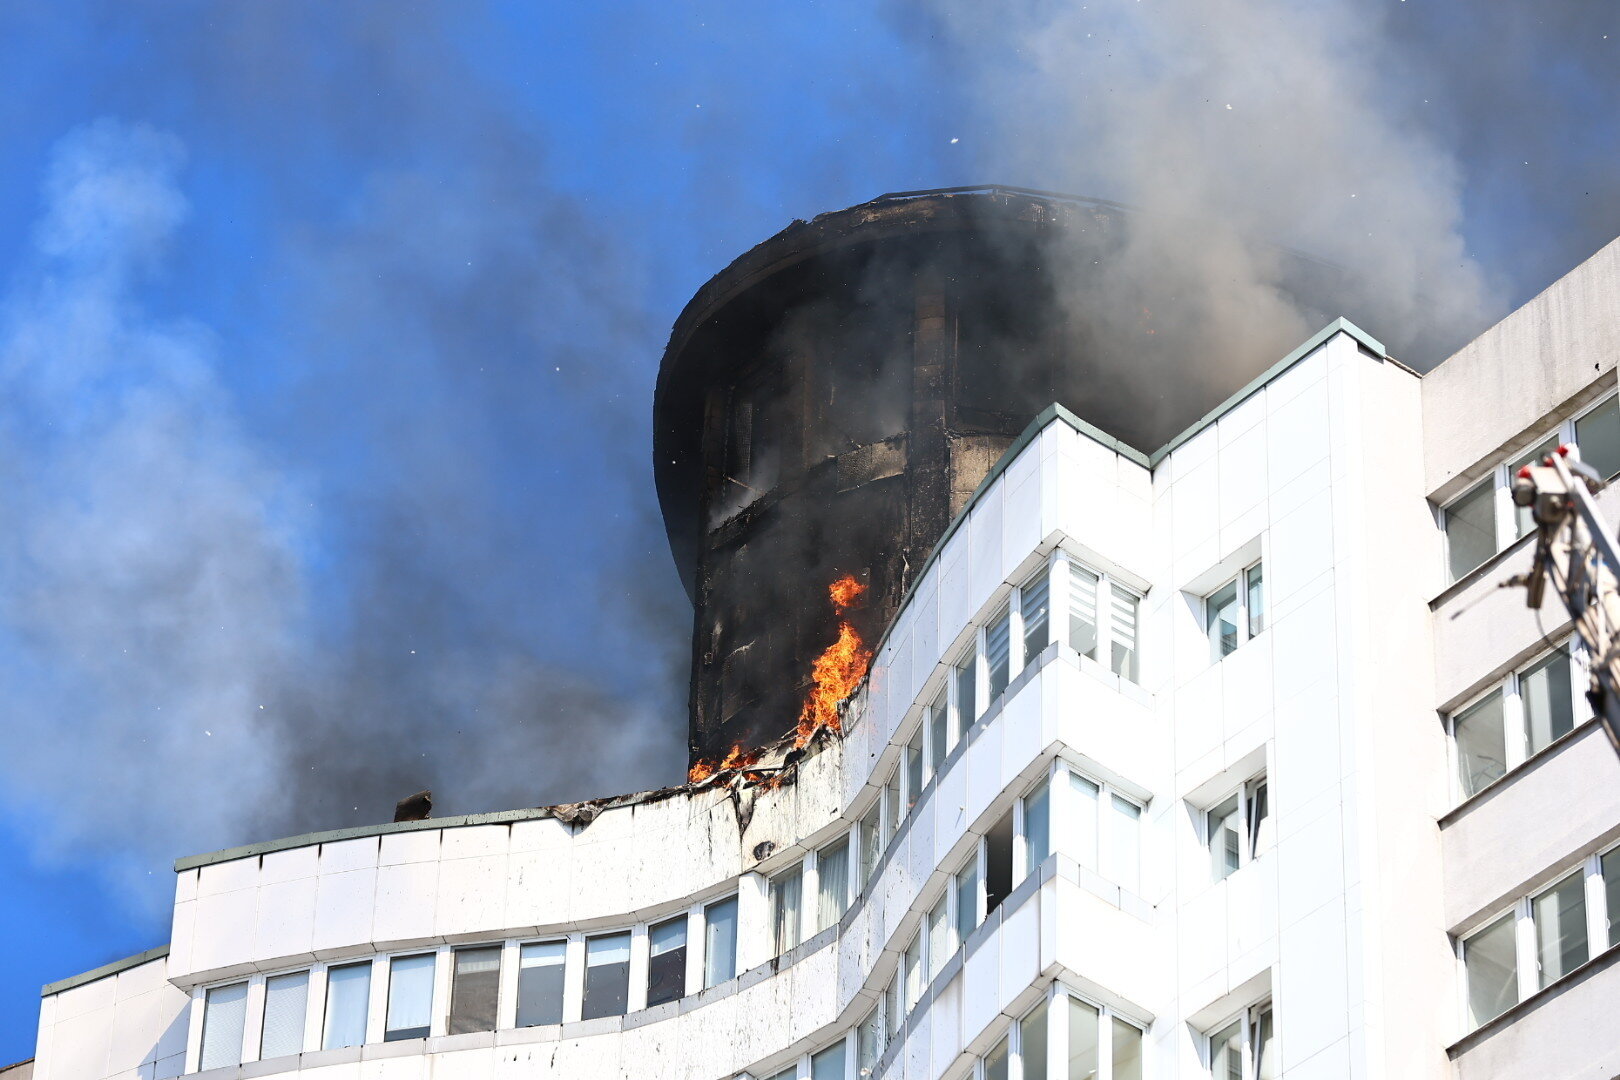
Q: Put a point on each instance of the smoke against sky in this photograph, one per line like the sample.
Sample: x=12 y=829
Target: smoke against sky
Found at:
x=329 y=333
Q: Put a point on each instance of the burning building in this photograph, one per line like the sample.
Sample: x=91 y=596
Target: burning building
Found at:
x=1047 y=724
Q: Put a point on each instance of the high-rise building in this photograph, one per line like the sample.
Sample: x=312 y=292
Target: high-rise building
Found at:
x=1198 y=746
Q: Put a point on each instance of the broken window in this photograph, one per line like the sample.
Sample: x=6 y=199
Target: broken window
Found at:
x=720 y=941
x=607 y=975
x=540 y=983
x=475 y=989
x=224 y=1020
x=410 y=997
x=998 y=862
x=869 y=1043
x=666 y=961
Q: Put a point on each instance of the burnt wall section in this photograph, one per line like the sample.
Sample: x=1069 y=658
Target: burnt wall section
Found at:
x=830 y=401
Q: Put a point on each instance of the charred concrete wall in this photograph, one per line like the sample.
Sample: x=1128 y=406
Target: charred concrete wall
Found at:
x=829 y=401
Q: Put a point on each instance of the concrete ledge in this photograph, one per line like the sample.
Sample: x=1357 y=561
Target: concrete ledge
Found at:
x=104 y=971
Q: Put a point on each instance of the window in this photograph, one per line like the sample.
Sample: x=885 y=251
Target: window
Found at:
x=720 y=942
x=1560 y=919
x=1126 y=1052
x=1236 y=829
x=786 y=893
x=1037 y=828
x=832 y=882
x=607 y=975
x=939 y=936
x=1107 y=835
x=1122 y=634
x=964 y=675
x=998 y=653
x=892 y=1007
x=967 y=898
x=911 y=964
x=1609 y=869
x=1089 y=1026
x=1482 y=520
x=410 y=997
x=869 y=1043
x=1034 y=603
x=540 y=983
x=1470 y=527
x=1082 y=610
x=348 y=995
x=1235 y=612
x=224 y=1020
x=995 y=1062
x=870 y=840
x=998 y=863
x=475 y=989
x=1490 y=958
x=891 y=804
x=1242 y=1049
x=914 y=768
x=829 y=1064
x=1085 y=1049
x=938 y=739
x=1523 y=714
x=1032 y=1043
x=666 y=961
x=286 y=1004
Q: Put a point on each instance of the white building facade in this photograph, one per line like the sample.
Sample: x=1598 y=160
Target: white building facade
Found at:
x=1228 y=760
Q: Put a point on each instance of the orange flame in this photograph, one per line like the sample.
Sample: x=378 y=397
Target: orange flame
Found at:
x=839 y=669
x=736 y=758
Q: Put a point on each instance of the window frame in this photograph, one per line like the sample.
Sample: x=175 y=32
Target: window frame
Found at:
x=1056 y=1001
x=1516 y=718
x=1247 y=1020
x=1255 y=832
x=1241 y=585
x=1504 y=517
x=1101 y=851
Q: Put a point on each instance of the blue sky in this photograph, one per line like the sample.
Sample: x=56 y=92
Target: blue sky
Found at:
x=328 y=336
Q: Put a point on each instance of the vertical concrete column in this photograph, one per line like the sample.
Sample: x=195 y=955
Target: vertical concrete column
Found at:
x=640 y=959
x=506 y=999
x=695 y=952
x=377 y=1004
x=444 y=970
x=252 y=1036
x=574 y=978
x=315 y=1008
x=809 y=903
x=1015 y=634
x=928 y=449
x=1057 y=1033
x=194 y=1026
x=1057 y=618
x=754 y=945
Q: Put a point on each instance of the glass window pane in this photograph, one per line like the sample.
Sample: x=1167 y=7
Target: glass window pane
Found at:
x=1084 y=1057
x=1127 y=1051
x=1560 y=918
x=1611 y=888
x=475 y=989
x=1032 y=1043
x=1471 y=529
x=1549 y=703
x=224 y=1019
x=1082 y=610
x=869 y=1044
x=891 y=823
x=911 y=964
x=995 y=1062
x=1493 y=971
x=938 y=733
x=892 y=1007
x=966 y=704
x=720 y=942
x=786 y=888
x=410 y=997
x=1124 y=841
x=348 y=993
x=1265 y=1054
x=286 y=1004
x=1481 y=743
x=1523 y=522
x=870 y=841
x=939 y=938
x=998 y=860
x=1223 y=620
x=1086 y=826
x=666 y=961
x=540 y=983
x=1122 y=626
x=1225 y=839
x=1226 y=1052
x=997 y=654
x=967 y=900
x=607 y=975
x=1033 y=603
x=1598 y=435
x=1255 y=577
x=832 y=883
x=1258 y=812
x=914 y=768
x=829 y=1064
x=1037 y=829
